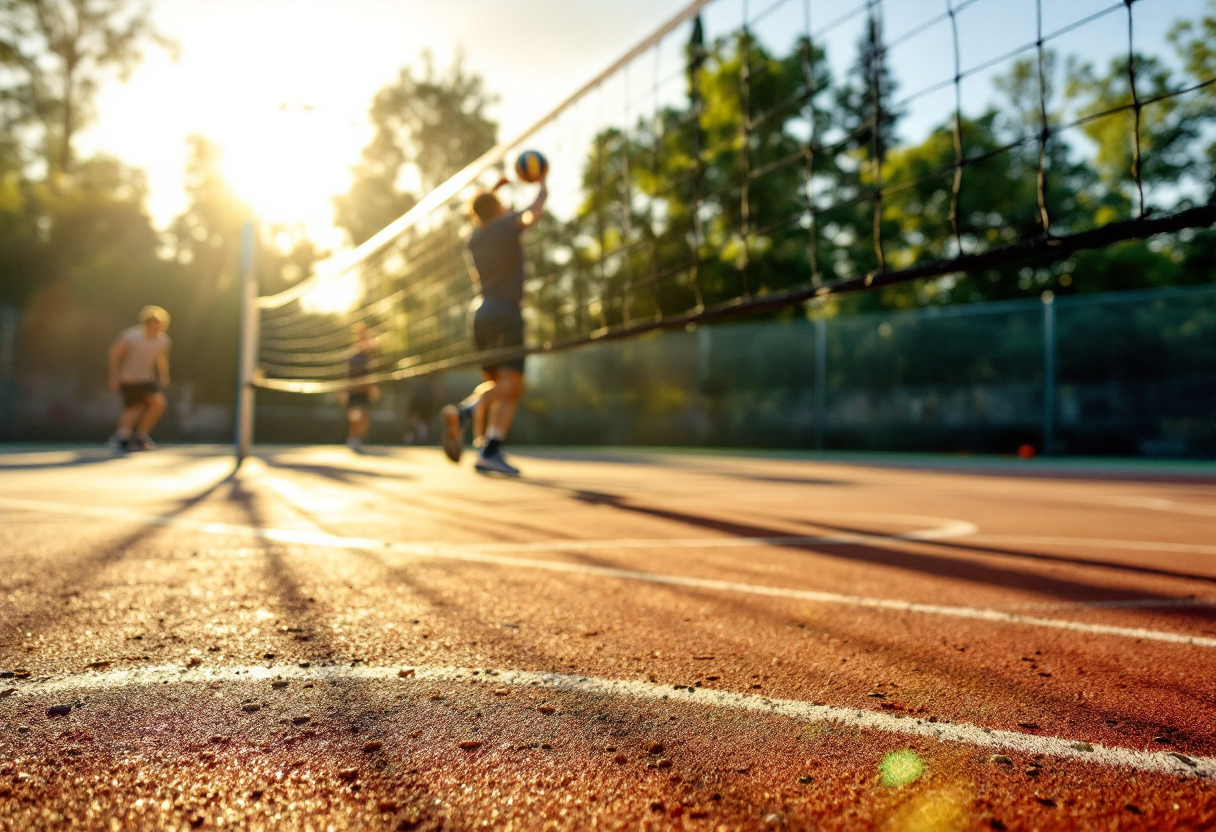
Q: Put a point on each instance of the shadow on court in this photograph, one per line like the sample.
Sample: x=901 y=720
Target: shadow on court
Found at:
x=1039 y=556
x=60 y=579
x=338 y=473
x=939 y=566
x=75 y=459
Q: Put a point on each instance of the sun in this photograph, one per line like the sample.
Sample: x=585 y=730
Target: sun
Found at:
x=281 y=162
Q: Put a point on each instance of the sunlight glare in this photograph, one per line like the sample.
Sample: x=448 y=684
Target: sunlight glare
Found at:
x=280 y=162
x=333 y=294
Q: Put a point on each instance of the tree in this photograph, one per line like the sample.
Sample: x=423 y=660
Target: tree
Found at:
x=427 y=128
x=59 y=52
x=206 y=236
x=1167 y=128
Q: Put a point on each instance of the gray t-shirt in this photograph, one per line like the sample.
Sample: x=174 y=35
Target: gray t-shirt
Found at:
x=138 y=365
x=498 y=255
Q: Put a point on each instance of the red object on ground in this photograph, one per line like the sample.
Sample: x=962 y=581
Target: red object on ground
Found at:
x=1026 y=451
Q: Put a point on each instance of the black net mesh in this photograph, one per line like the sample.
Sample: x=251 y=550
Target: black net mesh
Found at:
x=752 y=156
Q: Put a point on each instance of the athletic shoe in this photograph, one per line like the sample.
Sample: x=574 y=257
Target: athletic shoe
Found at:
x=117 y=443
x=494 y=464
x=146 y=442
x=137 y=444
x=355 y=445
x=453 y=432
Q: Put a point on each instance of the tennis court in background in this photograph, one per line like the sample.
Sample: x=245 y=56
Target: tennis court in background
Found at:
x=623 y=639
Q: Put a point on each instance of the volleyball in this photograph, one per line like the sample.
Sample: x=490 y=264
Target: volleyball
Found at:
x=531 y=166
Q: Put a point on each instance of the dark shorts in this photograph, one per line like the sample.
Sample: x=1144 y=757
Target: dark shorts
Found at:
x=497 y=326
x=134 y=395
x=360 y=400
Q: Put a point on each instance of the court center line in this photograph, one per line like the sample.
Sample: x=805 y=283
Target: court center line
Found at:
x=463 y=554
x=944 y=732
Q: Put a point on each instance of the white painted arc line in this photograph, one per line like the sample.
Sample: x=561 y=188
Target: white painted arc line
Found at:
x=458 y=554
x=1162 y=504
x=1098 y=543
x=963 y=733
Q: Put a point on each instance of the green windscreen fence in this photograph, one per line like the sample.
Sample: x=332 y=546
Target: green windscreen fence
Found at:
x=1130 y=373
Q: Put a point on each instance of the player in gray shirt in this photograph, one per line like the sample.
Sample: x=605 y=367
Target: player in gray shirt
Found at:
x=139 y=370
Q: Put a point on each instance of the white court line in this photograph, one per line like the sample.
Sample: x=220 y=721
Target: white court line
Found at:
x=1099 y=543
x=967 y=733
x=1162 y=504
x=470 y=555
x=1146 y=603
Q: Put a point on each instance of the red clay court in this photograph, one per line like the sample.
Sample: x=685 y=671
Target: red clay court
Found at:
x=618 y=640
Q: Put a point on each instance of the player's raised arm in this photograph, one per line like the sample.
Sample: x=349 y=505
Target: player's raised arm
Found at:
x=533 y=212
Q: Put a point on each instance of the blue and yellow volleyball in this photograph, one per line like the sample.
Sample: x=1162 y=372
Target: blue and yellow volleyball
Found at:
x=531 y=166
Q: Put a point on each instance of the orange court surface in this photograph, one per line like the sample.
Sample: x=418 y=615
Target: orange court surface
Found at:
x=620 y=639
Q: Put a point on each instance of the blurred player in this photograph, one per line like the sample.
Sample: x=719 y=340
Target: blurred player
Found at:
x=359 y=397
x=498 y=259
x=139 y=370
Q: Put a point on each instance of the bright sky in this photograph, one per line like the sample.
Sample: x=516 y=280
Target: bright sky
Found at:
x=284 y=85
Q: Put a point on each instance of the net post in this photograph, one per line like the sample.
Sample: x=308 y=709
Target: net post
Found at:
x=821 y=379
x=247 y=349
x=1049 y=372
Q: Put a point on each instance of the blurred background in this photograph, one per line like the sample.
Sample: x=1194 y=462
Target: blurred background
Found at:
x=138 y=138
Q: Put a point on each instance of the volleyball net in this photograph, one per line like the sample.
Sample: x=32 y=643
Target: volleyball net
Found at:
x=756 y=155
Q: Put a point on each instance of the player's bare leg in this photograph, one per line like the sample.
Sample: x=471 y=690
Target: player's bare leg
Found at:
x=153 y=409
x=508 y=389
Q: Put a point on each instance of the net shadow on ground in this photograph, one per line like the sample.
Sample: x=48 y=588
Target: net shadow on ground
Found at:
x=1037 y=556
x=344 y=703
x=873 y=553
x=489 y=524
x=463 y=619
x=947 y=666
x=449 y=608
x=59 y=578
x=338 y=473
x=78 y=459
x=441 y=605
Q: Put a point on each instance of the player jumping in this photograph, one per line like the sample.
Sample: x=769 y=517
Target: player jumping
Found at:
x=498 y=260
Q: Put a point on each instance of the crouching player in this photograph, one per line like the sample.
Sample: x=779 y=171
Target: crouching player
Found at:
x=139 y=370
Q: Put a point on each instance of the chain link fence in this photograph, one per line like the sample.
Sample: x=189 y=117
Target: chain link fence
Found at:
x=1128 y=373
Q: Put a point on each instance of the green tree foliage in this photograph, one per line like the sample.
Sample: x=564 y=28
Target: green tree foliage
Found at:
x=428 y=126
x=59 y=52
x=708 y=202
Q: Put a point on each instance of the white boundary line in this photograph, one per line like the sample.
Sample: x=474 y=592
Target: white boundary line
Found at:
x=1162 y=504
x=471 y=555
x=944 y=732
x=1099 y=543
